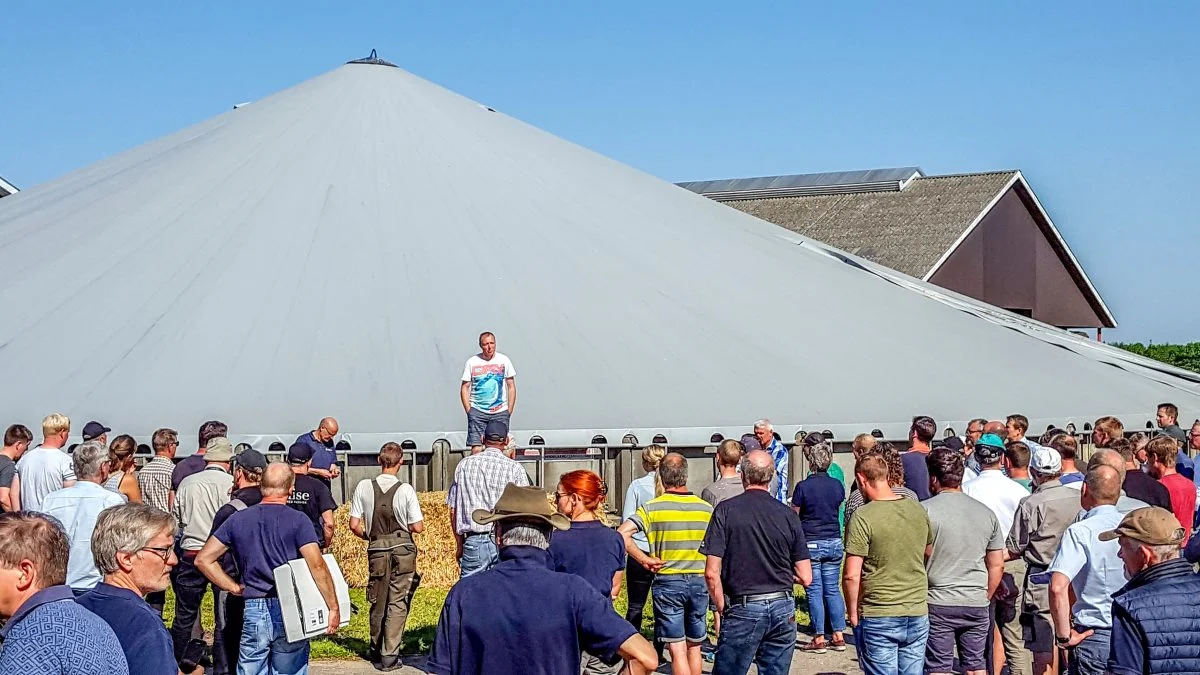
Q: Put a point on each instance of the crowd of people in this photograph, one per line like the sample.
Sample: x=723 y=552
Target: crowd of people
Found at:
x=970 y=553
x=93 y=544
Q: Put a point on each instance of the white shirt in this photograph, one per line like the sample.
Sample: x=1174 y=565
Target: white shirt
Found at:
x=999 y=493
x=42 y=471
x=404 y=502
x=488 y=379
x=77 y=508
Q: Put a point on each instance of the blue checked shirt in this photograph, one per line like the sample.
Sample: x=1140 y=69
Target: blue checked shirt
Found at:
x=780 y=454
x=479 y=480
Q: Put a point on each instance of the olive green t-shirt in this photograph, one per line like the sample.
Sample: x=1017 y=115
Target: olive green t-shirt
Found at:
x=891 y=537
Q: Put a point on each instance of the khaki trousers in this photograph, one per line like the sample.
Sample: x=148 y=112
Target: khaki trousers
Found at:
x=1007 y=615
x=391 y=575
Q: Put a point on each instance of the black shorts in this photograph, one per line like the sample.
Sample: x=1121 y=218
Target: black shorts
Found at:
x=963 y=627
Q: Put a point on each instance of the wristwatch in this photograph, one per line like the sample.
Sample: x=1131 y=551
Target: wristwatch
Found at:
x=1062 y=641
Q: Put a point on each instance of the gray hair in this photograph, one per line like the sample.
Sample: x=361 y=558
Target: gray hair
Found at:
x=755 y=475
x=524 y=533
x=88 y=459
x=127 y=528
x=820 y=456
x=1164 y=552
x=764 y=423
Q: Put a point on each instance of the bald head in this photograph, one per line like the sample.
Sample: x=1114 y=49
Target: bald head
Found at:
x=1102 y=485
x=758 y=468
x=278 y=480
x=672 y=471
x=327 y=430
x=1108 y=457
x=995 y=427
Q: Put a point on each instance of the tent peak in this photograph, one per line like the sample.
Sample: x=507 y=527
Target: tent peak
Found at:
x=373 y=60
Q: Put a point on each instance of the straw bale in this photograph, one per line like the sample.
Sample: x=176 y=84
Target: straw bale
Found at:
x=435 y=546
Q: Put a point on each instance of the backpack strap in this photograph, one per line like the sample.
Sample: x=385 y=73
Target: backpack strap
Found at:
x=238 y=505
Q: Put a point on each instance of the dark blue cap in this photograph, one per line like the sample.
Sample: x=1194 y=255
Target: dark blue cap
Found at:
x=495 y=431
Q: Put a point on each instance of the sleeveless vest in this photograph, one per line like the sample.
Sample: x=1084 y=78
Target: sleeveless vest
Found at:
x=1162 y=602
x=386 y=530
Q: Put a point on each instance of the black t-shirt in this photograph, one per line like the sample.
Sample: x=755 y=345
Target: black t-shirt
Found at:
x=312 y=498
x=1143 y=486
x=249 y=496
x=758 y=540
x=916 y=473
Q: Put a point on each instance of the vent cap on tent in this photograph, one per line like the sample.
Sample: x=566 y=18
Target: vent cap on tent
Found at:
x=373 y=60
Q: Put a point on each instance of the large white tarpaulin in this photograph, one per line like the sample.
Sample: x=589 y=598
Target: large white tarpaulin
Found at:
x=336 y=248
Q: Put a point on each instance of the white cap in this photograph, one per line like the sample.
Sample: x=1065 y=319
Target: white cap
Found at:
x=1045 y=460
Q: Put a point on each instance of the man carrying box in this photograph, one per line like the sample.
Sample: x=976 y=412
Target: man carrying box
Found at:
x=263 y=537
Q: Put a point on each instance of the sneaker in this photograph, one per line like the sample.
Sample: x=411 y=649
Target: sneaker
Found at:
x=815 y=647
x=838 y=644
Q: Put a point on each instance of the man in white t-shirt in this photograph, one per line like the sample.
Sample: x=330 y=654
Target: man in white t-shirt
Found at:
x=388 y=526
x=488 y=391
x=47 y=467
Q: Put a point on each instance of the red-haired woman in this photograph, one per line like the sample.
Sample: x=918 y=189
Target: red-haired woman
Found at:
x=590 y=549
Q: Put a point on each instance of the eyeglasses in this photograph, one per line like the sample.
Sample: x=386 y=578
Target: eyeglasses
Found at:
x=162 y=552
x=560 y=495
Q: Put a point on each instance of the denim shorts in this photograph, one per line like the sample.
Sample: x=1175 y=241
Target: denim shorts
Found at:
x=680 y=607
x=477 y=420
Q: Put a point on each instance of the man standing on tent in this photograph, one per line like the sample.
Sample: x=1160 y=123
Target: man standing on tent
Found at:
x=488 y=391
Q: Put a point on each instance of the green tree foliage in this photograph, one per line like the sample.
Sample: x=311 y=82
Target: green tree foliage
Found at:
x=1182 y=356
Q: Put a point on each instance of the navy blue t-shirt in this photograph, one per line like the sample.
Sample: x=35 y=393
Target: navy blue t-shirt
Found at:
x=523 y=618
x=590 y=549
x=916 y=473
x=323 y=456
x=819 y=498
x=143 y=637
x=262 y=538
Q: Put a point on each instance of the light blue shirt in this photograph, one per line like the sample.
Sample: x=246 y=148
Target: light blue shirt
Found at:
x=779 y=453
x=640 y=491
x=1093 y=566
x=77 y=508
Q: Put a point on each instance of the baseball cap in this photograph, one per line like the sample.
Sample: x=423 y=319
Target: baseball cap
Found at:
x=989 y=448
x=750 y=442
x=495 y=431
x=954 y=443
x=1150 y=525
x=299 y=453
x=1045 y=460
x=251 y=459
x=218 y=450
x=94 y=429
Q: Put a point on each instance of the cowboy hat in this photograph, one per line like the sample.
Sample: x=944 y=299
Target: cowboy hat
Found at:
x=523 y=503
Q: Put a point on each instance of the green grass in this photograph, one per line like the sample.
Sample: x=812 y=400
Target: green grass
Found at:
x=353 y=641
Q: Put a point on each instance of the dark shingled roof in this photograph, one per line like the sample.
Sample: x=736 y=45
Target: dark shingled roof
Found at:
x=908 y=231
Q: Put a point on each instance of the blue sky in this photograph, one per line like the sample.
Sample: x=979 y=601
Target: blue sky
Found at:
x=1096 y=102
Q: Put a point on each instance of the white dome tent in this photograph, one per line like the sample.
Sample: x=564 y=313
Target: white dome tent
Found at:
x=337 y=247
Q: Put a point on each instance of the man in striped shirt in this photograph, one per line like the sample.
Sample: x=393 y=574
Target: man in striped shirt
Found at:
x=674 y=525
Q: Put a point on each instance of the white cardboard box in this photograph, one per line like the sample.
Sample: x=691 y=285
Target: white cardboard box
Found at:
x=304 y=612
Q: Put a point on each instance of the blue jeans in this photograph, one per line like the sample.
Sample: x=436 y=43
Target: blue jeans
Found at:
x=479 y=555
x=680 y=607
x=892 y=645
x=762 y=633
x=1090 y=657
x=825 y=594
x=265 y=648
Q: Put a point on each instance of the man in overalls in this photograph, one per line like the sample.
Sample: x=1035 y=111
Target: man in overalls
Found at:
x=385 y=512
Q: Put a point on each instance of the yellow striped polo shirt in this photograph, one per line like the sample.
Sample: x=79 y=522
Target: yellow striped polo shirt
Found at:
x=674 y=525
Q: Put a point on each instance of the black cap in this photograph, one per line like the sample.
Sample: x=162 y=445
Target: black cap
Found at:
x=495 y=431
x=299 y=453
x=954 y=443
x=250 y=459
x=93 y=430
